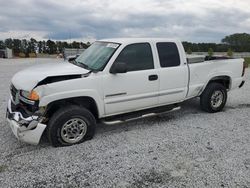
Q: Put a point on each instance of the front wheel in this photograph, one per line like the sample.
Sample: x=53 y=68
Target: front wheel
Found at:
x=213 y=98
x=71 y=125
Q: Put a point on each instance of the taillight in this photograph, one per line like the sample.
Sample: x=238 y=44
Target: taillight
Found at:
x=244 y=68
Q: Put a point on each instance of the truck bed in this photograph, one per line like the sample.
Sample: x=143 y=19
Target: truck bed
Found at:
x=201 y=58
x=202 y=72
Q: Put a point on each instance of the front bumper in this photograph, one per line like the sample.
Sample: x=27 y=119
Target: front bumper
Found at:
x=26 y=129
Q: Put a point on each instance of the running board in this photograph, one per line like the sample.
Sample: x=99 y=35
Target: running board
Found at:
x=128 y=117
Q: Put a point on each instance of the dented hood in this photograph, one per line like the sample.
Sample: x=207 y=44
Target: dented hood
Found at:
x=28 y=78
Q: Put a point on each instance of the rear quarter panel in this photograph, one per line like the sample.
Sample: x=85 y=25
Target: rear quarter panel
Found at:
x=202 y=73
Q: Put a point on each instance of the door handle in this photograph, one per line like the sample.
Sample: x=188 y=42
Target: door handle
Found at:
x=152 y=77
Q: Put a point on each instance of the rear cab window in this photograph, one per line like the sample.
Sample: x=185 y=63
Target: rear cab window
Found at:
x=168 y=54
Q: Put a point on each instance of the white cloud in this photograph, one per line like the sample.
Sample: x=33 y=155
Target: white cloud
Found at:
x=196 y=20
x=23 y=34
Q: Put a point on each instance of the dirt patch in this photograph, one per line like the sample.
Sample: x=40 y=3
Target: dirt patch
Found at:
x=153 y=178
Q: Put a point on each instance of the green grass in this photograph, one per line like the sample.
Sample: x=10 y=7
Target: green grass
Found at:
x=247 y=60
x=3 y=168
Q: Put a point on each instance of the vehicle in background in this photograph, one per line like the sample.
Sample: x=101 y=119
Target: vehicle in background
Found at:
x=72 y=57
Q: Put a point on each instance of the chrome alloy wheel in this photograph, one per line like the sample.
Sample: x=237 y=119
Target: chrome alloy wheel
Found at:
x=73 y=130
x=217 y=99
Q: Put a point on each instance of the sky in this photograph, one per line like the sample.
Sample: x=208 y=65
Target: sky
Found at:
x=88 y=20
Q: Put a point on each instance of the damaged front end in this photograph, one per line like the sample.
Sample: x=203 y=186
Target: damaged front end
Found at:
x=25 y=117
x=24 y=113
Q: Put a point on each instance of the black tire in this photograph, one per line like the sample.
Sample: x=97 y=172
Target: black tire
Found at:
x=206 y=97
x=59 y=118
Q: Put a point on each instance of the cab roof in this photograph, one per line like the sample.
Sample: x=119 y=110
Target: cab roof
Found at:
x=138 y=40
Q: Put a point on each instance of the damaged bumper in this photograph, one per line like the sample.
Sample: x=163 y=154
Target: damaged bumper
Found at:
x=26 y=129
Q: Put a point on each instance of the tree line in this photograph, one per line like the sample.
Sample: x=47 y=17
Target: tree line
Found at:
x=33 y=46
x=239 y=42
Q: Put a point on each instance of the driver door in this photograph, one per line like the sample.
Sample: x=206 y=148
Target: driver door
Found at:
x=138 y=87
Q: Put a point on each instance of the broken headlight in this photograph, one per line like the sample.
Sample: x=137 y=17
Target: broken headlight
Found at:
x=30 y=95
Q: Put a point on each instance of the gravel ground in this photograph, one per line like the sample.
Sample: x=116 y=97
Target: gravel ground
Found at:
x=187 y=148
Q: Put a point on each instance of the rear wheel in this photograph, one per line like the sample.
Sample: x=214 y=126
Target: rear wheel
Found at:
x=71 y=125
x=213 y=98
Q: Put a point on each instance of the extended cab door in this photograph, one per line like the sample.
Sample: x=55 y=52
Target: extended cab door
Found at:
x=138 y=87
x=173 y=73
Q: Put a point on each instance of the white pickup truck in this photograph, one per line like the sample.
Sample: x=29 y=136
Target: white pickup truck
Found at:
x=113 y=81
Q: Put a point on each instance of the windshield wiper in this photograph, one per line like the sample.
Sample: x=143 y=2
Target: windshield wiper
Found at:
x=81 y=65
x=84 y=66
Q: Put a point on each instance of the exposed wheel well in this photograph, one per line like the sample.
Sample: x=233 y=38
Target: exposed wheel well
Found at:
x=224 y=80
x=86 y=102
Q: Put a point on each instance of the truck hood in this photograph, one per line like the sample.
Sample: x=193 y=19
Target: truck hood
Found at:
x=28 y=78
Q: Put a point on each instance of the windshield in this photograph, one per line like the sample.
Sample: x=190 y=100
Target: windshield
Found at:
x=97 y=55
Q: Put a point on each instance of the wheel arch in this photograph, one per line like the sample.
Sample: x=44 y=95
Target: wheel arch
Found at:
x=225 y=80
x=86 y=102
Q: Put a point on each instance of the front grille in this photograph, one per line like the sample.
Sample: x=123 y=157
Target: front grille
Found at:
x=13 y=92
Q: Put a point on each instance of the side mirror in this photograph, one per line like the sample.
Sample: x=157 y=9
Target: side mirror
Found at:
x=118 y=67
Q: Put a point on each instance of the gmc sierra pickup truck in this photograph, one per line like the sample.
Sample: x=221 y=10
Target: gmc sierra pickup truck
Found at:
x=113 y=81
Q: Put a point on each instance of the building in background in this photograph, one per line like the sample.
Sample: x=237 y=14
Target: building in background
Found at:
x=6 y=53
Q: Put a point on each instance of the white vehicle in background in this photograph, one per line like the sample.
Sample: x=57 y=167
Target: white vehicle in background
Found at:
x=72 y=57
x=113 y=81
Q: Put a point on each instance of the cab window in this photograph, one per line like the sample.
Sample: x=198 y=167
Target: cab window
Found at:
x=137 y=57
x=168 y=54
